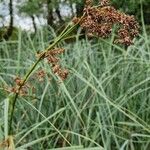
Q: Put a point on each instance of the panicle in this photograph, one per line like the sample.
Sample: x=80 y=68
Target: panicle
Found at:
x=100 y=20
x=52 y=58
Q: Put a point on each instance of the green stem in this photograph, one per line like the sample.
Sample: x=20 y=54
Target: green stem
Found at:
x=64 y=33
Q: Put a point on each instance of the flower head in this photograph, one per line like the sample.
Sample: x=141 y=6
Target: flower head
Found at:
x=99 y=21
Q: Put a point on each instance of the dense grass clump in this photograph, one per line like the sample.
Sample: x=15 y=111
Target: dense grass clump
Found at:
x=104 y=102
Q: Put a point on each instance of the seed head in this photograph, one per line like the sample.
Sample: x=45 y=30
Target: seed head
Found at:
x=53 y=60
x=99 y=21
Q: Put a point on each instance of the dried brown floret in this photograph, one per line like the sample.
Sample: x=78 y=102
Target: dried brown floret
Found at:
x=52 y=59
x=41 y=75
x=104 y=2
x=18 y=81
x=24 y=90
x=56 y=68
x=57 y=51
x=12 y=90
x=63 y=73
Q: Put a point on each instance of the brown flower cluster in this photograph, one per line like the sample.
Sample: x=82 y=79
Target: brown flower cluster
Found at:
x=99 y=21
x=40 y=75
x=15 y=89
x=53 y=60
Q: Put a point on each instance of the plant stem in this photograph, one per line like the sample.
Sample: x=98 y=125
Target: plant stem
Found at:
x=63 y=34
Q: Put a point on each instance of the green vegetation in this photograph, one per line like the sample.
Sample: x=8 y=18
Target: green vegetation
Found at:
x=104 y=104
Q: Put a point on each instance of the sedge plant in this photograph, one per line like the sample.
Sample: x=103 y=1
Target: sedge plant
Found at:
x=96 y=21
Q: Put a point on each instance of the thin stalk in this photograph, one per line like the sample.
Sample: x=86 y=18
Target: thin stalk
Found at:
x=62 y=35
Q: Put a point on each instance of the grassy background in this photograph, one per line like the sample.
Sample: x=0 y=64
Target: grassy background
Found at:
x=104 y=102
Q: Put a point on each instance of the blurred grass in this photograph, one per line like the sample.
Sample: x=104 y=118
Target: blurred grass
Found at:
x=104 y=103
